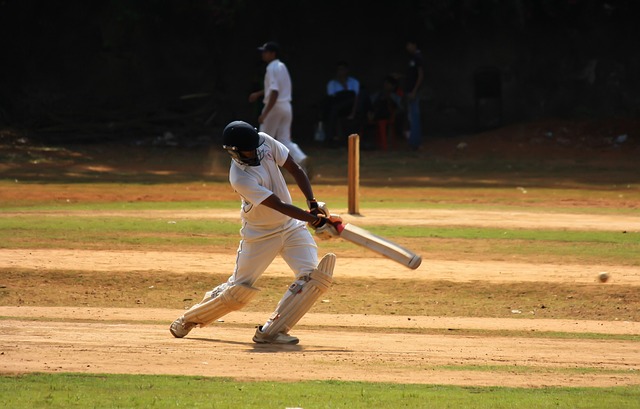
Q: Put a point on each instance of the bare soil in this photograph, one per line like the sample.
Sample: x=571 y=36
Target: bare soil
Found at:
x=359 y=347
x=363 y=349
x=380 y=348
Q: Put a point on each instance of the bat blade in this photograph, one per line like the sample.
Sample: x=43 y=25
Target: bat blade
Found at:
x=380 y=245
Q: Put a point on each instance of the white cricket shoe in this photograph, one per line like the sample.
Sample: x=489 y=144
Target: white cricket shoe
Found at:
x=279 y=338
x=179 y=328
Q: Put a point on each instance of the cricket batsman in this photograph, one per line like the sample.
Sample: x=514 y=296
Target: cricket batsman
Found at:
x=271 y=226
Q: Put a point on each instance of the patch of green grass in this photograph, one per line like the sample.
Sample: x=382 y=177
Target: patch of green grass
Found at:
x=484 y=233
x=147 y=391
x=114 y=232
x=167 y=224
x=534 y=252
x=26 y=231
x=114 y=224
x=520 y=369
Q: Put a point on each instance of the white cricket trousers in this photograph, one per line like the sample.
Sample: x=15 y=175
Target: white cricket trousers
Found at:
x=278 y=125
x=295 y=244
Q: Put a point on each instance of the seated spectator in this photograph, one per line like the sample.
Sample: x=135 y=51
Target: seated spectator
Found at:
x=340 y=108
x=384 y=113
x=386 y=102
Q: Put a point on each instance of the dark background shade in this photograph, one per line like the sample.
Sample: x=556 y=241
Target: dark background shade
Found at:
x=126 y=68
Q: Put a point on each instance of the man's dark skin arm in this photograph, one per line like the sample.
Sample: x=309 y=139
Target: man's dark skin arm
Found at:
x=275 y=203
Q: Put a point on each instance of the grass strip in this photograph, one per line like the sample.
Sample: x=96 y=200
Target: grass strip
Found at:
x=166 y=224
x=145 y=391
x=488 y=233
x=447 y=243
x=521 y=369
x=127 y=206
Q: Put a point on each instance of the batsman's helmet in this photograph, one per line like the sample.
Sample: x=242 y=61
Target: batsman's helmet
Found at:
x=239 y=137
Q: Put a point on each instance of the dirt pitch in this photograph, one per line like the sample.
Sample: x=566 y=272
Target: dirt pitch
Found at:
x=345 y=347
x=355 y=347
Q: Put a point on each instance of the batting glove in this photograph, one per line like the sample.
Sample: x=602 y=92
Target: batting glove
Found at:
x=327 y=227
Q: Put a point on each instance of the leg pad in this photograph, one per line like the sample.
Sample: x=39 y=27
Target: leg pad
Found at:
x=230 y=299
x=299 y=299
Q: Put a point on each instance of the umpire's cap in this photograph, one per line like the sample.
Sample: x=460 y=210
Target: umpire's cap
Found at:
x=270 y=46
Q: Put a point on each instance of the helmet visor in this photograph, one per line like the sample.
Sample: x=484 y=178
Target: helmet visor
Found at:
x=251 y=158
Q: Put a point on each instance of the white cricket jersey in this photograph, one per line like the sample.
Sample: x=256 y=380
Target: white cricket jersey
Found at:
x=277 y=78
x=256 y=183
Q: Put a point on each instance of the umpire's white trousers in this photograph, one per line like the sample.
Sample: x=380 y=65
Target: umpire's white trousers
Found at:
x=277 y=124
x=294 y=243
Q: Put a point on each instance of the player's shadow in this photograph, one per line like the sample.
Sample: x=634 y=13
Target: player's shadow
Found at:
x=256 y=347
x=271 y=348
x=275 y=348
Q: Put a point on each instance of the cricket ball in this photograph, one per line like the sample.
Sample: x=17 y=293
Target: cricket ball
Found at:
x=603 y=277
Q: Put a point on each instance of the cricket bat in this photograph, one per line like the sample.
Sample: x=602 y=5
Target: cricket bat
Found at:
x=380 y=245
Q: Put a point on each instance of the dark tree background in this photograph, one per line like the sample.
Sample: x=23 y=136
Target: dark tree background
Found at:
x=131 y=68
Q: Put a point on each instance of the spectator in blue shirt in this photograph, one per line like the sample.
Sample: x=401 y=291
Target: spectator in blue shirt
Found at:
x=341 y=103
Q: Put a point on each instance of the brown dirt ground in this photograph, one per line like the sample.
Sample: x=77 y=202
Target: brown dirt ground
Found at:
x=354 y=347
x=124 y=342
x=341 y=347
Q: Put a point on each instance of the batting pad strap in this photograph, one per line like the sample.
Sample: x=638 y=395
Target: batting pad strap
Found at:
x=231 y=299
x=301 y=297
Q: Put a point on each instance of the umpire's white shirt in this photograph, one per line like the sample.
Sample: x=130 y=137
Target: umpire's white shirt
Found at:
x=276 y=78
x=255 y=183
